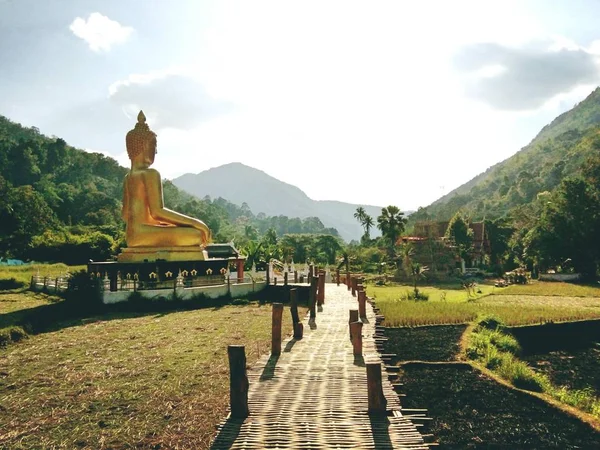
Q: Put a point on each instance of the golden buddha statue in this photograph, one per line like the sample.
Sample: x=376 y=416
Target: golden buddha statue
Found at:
x=153 y=231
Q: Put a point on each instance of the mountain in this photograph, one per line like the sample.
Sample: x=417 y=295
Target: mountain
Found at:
x=558 y=151
x=241 y=184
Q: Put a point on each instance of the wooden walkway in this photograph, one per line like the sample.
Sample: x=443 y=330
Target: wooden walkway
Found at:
x=314 y=396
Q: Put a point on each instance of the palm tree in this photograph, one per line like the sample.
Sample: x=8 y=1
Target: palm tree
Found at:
x=391 y=223
x=360 y=214
x=368 y=223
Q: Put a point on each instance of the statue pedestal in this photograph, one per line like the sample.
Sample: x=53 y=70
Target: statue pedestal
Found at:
x=153 y=254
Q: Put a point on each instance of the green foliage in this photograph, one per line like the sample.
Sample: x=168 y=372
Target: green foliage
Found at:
x=460 y=235
x=568 y=228
x=71 y=248
x=497 y=351
x=391 y=222
x=84 y=291
x=415 y=295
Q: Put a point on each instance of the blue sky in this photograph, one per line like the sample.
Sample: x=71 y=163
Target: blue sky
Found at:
x=381 y=103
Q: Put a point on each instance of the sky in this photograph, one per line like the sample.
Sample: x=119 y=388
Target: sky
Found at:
x=379 y=102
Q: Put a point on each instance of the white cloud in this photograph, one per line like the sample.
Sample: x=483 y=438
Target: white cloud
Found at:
x=170 y=98
x=100 y=32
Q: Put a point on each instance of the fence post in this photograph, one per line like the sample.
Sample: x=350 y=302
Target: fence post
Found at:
x=238 y=381
x=377 y=401
x=337 y=277
x=295 y=276
x=285 y=278
x=362 y=304
x=268 y=274
x=356 y=335
x=353 y=317
x=312 y=298
x=321 y=291
x=298 y=326
x=353 y=283
x=276 y=328
x=348 y=282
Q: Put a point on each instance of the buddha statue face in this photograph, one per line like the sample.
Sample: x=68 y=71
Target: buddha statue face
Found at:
x=141 y=143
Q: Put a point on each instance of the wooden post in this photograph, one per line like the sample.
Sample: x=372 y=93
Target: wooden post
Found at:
x=310 y=276
x=298 y=326
x=295 y=276
x=240 y=271
x=353 y=284
x=301 y=278
x=377 y=401
x=337 y=276
x=353 y=318
x=285 y=278
x=321 y=291
x=348 y=280
x=312 y=298
x=275 y=281
x=356 y=336
x=268 y=274
x=362 y=304
x=276 y=328
x=238 y=381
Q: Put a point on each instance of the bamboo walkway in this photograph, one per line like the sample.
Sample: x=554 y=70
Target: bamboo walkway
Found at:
x=314 y=396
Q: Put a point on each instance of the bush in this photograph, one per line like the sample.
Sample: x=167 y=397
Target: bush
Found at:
x=69 y=248
x=417 y=296
x=11 y=334
x=11 y=283
x=490 y=322
x=84 y=290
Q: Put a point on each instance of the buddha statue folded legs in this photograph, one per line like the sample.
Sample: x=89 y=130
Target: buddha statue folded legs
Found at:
x=150 y=227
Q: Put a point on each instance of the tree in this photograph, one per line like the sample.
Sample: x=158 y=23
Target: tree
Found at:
x=391 y=222
x=360 y=214
x=568 y=228
x=417 y=271
x=366 y=221
x=367 y=224
x=460 y=235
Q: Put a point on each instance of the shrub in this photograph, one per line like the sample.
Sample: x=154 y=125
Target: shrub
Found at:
x=11 y=334
x=83 y=290
x=412 y=295
x=490 y=322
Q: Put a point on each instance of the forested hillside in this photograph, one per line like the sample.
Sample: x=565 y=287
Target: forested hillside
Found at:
x=558 y=151
x=58 y=203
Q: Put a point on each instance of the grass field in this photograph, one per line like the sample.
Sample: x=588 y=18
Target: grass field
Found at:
x=23 y=274
x=546 y=288
x=126 y=381
x=456 y=306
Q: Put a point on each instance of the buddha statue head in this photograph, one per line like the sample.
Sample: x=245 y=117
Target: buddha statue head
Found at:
x=141 y=142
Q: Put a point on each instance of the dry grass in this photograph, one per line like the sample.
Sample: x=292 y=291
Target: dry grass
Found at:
x=121 y=381
x=547 y=288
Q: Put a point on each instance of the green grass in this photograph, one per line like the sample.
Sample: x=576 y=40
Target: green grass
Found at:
x=23 y=274
x=13 y=308
x=498 y=352
x=448 y=293
x=547 y=288
x=459 y=308
x=126 y=380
